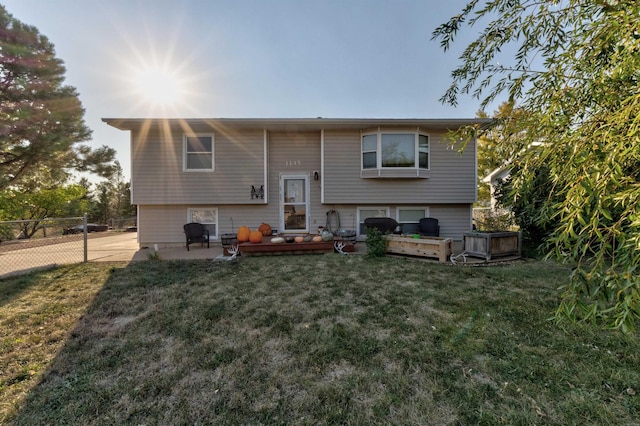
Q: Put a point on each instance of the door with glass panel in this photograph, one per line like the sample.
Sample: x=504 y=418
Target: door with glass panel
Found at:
x=294 y=202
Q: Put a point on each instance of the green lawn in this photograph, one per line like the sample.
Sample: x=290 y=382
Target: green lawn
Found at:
x=318 y=339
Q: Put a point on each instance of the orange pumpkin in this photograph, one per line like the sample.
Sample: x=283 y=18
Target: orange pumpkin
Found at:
x=265 y=228
x=243 y=234
x=317 y=239
x=299 y=239
x=255 y=237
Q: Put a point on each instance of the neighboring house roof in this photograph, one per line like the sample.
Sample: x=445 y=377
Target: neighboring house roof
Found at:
x=499 y=173
x=301 y=124
x=505 y=169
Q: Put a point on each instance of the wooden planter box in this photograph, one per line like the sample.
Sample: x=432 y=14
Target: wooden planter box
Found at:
x=489 y=245
x=438 y=247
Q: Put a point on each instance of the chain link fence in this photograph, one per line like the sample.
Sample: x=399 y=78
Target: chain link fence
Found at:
x=128 y=224
x=26 y=245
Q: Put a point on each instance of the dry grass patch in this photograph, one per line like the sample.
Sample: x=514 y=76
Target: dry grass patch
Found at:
x=37 y=312
x=324 y=339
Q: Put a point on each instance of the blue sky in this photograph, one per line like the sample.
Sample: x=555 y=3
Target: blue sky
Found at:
x=251 y=58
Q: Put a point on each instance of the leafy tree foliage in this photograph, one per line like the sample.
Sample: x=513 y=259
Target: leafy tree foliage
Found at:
x=493 y=152
x=573 y=66
x=526 y=203
x=41 y=119
x=112 y=198
x=41 y=203
x=496 y=149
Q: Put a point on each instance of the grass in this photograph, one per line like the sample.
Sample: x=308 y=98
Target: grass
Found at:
x=324 y=339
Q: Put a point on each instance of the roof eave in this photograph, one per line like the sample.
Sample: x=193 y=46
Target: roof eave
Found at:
x=301 y=124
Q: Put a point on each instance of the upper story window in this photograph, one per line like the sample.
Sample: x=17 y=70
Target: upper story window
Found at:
x=397 y=154
x=198 y=153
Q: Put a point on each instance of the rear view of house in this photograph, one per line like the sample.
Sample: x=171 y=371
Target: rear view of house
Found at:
x=297 y=175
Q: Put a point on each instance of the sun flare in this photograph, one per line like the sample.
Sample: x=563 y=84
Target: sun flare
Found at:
x=158 y=86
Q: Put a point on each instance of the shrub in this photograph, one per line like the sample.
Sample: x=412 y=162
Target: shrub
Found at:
x=376 y=244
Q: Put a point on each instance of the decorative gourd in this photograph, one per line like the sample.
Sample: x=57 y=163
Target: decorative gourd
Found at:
x=327 y=236
x=317 y=239
x=243 y=234
x=255 y=237
x=299 y=239
x=307 y=239
x=265 y=228
x=277 y=240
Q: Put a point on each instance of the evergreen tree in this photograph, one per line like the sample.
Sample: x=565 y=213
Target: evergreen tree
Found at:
x=113 y=198
x=101 y=210
x=41 y=119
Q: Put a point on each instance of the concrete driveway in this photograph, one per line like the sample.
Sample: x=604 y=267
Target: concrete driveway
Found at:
x=22 y=256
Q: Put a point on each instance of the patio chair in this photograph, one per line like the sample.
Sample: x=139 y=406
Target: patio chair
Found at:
x=429 y=227
x=196 y=233
x=385 y=225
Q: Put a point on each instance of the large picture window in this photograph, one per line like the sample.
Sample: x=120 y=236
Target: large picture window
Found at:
x=198 y=153
x=206 y=216
x=398 y=150
x=395 y=154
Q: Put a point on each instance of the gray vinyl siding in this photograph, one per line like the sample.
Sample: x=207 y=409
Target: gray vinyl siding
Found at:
x=454 y=219
x=295 y=153
x=452 y=175
x=164 y=192
x=158 y=176
x=162 y=224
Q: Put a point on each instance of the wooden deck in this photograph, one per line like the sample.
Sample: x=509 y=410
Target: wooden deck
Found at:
x=266 y=248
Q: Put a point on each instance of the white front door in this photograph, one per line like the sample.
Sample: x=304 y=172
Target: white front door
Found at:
x=294 y=203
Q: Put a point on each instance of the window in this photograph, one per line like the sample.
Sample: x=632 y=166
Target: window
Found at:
x=395 y=155
x=398 y=150
x=198 y=153
x=423 y=151
x=409 y=218
x=369 y=151
x=207 y=217
x=366 y=212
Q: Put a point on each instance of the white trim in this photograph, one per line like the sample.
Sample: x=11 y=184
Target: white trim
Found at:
x=266 y=166
x=215 y=235
x=396 y=172
x=475 y=145
x=322 y=166
x=184 y=152
x=306 y=177
x=131 y=171
x=301 y=124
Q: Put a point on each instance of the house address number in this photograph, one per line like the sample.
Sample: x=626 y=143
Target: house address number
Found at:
x=293 y=162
